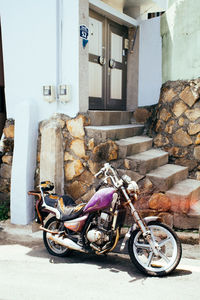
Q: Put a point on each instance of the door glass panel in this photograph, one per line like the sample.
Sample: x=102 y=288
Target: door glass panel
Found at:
x=116 y=47
x=95 y=80
x=116 y=84
x=95 y=40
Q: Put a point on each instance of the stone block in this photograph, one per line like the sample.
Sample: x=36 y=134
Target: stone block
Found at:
x=68 y=156
x=183 y=221
x=5 y=171
x=76 y=189
x=193 y=128
x=91 y=144
x=134 y=175
x=105 y=152
x=7 y=159
x=76 y=127
x=181 y=121
x=181 y=138
x=166 y=176
x=161 y=140
x=145 y=161
x=197 y=141
x=141 y=115
x=197 y=152
x=193 y=114
x=165 y=115
x=9 y=131
x=94 y=167
x=159 y=202
x=168 y=95
x=51 y=155
x=188 y=96
x=179 y=108
x=78 y=147
x=169 y=127
x=190 y=164
x=73 y=169
x=167 y=218
x=87 y=177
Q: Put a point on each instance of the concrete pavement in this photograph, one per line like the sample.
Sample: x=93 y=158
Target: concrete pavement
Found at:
x=28 y=272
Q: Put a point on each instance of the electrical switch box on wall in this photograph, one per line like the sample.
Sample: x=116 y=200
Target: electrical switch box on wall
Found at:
x=49 y=93
x=64 y=93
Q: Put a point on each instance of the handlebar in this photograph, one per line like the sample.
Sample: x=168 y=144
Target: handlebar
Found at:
x=117 y=182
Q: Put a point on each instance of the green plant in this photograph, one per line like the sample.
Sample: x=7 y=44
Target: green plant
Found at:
x=4 y=211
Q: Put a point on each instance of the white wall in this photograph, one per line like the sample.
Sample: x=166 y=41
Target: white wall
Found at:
x=150 y=62
x=30 y=51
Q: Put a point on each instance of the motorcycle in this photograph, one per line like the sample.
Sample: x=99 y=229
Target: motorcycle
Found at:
x=95 y=227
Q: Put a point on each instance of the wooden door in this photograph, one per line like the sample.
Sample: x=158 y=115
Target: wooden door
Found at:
x=107 y=64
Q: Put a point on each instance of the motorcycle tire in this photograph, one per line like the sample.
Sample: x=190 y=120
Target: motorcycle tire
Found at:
x=169 y=253
x=52 y=247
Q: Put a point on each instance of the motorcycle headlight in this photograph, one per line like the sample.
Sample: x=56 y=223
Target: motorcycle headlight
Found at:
x=132 y=187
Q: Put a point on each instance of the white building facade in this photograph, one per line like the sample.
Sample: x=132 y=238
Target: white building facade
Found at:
x=43 y=48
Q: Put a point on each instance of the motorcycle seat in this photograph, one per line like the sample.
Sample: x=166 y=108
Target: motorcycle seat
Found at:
x=65 y=205
x=70 y=212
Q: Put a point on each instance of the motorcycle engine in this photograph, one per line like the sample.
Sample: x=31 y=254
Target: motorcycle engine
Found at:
x=99 y=234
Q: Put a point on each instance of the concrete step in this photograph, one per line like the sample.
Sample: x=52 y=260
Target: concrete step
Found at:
x=133 y=145
x=185 y=197
x=113 y=132
x=100 y=118
x=146 y=161
x=166 y=176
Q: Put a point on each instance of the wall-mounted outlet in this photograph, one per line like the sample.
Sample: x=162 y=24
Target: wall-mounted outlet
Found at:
x=64 y=93
x=49 y=93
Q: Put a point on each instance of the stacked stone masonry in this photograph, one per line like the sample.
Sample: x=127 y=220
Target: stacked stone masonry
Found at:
x=177 y=124
x=7 y=145
x=83 y=156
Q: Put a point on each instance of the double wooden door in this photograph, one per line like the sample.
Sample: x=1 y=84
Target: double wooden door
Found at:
x=107 y=64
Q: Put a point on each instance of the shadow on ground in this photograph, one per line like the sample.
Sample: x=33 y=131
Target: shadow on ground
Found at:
x=114 y=262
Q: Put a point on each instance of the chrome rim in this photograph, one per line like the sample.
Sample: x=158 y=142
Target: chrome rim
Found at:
x=56 y=248
x=167 y=251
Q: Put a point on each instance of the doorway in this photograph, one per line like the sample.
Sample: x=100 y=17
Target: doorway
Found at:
x=107 y=64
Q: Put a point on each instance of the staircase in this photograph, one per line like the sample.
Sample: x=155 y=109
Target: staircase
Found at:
x=137 y=154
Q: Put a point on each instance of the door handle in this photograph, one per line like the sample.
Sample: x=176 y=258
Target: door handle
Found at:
x=101 y=60
x=112 y=63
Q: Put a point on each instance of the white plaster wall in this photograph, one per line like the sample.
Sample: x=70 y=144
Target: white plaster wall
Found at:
x=30 y=48
x=150 y=62
x=70 y=55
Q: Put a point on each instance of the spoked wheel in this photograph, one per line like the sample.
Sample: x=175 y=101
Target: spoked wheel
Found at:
x=52 y=247
x=169 y=250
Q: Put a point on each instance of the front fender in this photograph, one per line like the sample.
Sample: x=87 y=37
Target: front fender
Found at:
x=134 y=227
x=147 y=220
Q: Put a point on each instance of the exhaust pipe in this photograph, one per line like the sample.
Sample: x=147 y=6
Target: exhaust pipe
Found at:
x=64 y=242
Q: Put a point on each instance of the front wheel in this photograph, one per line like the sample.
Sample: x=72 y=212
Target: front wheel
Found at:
x=168 y=245
x=52 y=247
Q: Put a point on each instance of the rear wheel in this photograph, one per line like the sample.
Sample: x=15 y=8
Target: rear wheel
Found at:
x=52 y=247
x=169 y=250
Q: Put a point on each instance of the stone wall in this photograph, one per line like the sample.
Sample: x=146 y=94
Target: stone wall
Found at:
x=177 y=124
x=6 y=162
x=82 y=156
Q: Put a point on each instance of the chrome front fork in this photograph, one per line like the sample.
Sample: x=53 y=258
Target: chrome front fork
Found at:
x=139 y=221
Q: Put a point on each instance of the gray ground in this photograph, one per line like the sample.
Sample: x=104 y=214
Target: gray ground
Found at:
x=28 y=272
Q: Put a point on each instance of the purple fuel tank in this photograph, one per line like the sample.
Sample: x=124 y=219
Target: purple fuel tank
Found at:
x=100 y=200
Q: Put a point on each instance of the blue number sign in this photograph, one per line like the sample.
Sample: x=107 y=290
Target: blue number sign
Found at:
x=84 y=31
